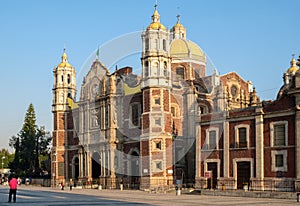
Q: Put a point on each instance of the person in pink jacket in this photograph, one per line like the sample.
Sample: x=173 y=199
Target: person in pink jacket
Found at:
x=13 y=184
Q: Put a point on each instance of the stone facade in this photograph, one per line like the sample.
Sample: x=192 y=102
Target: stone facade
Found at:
x=173 y=123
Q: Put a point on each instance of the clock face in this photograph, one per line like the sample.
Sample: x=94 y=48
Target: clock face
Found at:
x=233 y=90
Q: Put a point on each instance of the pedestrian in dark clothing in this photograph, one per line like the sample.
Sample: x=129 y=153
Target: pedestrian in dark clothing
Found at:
x=13 y=184
x=71 y=184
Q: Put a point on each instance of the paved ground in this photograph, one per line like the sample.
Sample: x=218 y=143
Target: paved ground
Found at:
x=31 y=195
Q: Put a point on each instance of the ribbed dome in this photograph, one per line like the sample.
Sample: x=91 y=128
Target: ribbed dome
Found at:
x=182 y=48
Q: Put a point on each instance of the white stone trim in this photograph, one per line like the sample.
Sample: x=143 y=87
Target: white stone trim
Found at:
x=273 y=160
x=217 y=137
x=272 y=132
x=234 y=164
x=218 y=161
x=236 y=132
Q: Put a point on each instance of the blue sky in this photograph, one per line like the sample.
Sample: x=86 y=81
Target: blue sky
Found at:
x=254 y=38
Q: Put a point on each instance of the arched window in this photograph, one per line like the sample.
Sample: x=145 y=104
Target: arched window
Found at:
x=164 y=45
x=146 y=68
x=69 y=79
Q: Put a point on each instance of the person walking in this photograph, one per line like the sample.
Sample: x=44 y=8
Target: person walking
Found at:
x=13 y=184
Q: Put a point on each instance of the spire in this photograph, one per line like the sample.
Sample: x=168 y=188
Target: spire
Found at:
x=64 y=57
x=155 y=16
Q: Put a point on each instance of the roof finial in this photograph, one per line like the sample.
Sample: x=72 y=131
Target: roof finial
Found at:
x=155 y=6
x=178 y=18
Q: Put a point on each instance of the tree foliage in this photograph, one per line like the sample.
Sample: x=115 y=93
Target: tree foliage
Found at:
x=29 y=144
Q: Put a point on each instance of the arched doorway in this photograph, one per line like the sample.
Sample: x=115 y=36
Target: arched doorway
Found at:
x=96 y=166
x=134 y=170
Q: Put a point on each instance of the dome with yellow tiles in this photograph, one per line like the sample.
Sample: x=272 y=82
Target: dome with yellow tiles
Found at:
x=156 y=25
x=64 y=61
x=293 y=69
x=183 y=49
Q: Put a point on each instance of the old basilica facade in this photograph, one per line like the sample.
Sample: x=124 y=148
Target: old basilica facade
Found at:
x=173 y=123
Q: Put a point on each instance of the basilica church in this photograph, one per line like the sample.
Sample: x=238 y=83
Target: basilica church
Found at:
x=173 y=124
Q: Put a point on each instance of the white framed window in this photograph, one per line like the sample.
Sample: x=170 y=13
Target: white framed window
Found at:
x=157 y=144
x=279 y=160
x=242 y=135
x=157 y=165
x=212 y=138
x=157 y=121
x=135 y=114
x=279 y=133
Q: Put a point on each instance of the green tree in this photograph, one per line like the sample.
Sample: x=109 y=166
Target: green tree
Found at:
x=31 y=142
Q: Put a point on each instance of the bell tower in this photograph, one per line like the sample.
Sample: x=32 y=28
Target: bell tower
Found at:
x=156 y=139
x=64 y=87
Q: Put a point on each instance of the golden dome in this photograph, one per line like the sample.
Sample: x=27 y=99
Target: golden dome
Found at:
x=293 y=67
x=182 y=48
x=65 y=64
x=64 y=60
x=178 y=25
x=156 y=26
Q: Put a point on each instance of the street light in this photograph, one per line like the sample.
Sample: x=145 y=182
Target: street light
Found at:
x=3 y=157
x=174 y=135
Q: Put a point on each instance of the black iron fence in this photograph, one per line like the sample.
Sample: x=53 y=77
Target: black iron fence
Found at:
x=276 y=184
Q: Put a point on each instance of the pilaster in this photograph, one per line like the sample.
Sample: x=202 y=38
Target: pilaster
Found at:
x=259 y=145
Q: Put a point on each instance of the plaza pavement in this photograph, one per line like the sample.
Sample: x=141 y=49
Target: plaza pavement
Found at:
x=33 y=196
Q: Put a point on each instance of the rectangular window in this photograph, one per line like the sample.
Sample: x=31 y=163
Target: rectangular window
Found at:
x=212 y=139
x=242 y=137
x=180 y=73
x=279 y=135
x=135 y=114
x=279 y=160
x=157 y=101
x=158 y=145
x=158 y=121
x=159 y=165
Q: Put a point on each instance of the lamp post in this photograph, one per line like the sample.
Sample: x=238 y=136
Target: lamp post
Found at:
x=3 y=157
x=174 y=135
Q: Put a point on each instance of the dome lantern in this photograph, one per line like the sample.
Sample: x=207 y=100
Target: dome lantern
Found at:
x=156 y=25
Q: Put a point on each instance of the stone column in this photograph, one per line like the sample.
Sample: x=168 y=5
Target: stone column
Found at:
x=297 y=162
x=198 y=154
x=226 y=149
x=259 y=152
